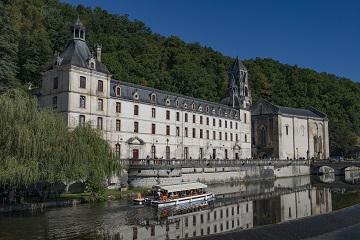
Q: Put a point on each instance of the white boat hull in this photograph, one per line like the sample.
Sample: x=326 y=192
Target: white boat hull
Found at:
x=183 y=200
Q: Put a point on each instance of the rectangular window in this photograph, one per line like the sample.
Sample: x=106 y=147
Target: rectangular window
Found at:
x=287 y=129
x=153 y=112
x=226 y=136
x=194 y=133
x=118 y=125
x=186 y=132
x=82 y=82
x=214 y=135
x=167 y=115
x=207 y=121
x=117 y=150
x=186 y=117
x=237 y=137
x=213 y=122
x=201 y=133
x=245 y=120
x=136 y=127
x=118 y=107
x=186 y=155
x=136 y=110
x=231 y=125
x=207 y=134
x=220 y=135
x=56 y=83
x=194 y=118
x=99 y=123
x=226 y=154
x=168 y=130
x=201 y=153
x=177 y=131
x=236 y=125
x=177 y=116
x=100 y=104
x=201 y=120
x=55 y=101
x=231 y=137
x=219 y=123
x=100 y=86
x=82 y=120
x=82 y=102
x=153 y=128
x=225 y=124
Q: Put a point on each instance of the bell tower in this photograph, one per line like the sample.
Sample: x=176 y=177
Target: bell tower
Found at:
x=239 y=73
x=78 y=30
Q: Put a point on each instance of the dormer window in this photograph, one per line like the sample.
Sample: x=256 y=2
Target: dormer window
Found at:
x=92 y=63
x=118 y=91
x=167 y=101
x=185 y=105
x=200 y=108
x=193 y=106
x=207 y=109
x=136 y=95
x=177 y=103
x=153 y=98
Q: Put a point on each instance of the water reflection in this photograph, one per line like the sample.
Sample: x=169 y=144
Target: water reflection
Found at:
x=238 y=206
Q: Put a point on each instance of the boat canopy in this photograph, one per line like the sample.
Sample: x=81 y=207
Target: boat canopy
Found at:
x=181 y=187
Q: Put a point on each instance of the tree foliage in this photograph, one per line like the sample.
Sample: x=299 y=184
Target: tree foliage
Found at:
x=36 y=146
x=132 y=52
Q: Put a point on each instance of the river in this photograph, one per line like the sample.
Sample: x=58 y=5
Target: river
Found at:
x=238 y=206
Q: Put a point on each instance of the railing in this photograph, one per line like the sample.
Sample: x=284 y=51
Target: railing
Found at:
x=179 y=163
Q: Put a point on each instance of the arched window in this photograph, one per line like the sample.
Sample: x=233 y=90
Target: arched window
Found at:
x=315 y=144
x=153 y=97
x=118 y=91
x=262 y=135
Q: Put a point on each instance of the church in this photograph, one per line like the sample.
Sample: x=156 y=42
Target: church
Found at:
x=141 y=122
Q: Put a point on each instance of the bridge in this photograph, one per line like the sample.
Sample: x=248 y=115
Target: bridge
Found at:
x=338 y=167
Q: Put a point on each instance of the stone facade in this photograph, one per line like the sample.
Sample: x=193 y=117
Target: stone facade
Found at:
x=289 y=133
x=142 y=122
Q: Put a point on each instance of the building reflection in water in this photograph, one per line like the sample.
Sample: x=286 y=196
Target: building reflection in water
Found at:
x=229 y=214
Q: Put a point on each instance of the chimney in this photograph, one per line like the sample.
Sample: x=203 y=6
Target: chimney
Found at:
x=98 y=52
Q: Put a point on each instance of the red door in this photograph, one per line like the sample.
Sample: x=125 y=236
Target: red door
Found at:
x=135 y=153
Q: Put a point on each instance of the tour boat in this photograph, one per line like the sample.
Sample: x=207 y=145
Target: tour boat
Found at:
x=172 y=195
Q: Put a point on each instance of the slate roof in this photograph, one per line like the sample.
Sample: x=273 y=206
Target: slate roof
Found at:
x=169 y=99
x=304 y=112
x=298 y=112
x=77 y=53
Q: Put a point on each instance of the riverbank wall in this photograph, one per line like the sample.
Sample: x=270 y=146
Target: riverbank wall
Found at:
x=148 y=176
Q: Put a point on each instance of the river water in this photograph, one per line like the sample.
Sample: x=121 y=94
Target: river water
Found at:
x=237 y=206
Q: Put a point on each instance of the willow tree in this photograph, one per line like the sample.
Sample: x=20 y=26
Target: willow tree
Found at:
x=36 y=146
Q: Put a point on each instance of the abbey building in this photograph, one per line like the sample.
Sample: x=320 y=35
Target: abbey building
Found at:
x=141 y=122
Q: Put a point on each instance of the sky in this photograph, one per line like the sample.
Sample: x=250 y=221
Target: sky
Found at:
x=320 y=34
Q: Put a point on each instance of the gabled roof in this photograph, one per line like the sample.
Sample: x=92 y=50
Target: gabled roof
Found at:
x=276 y=109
